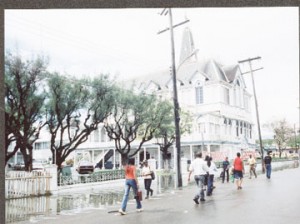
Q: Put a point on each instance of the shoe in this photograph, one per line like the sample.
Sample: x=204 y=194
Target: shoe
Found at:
x=139 y=210
x=202 y=199
x=122 y=212
x=147 y=197
x=196 y=201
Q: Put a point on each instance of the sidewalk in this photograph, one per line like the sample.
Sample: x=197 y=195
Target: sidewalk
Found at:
x=273 y=201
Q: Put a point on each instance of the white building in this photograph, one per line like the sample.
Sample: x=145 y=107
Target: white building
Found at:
x=217 y=97
x=214 y=94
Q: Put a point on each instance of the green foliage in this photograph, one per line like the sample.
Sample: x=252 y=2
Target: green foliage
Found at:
x=24 y=100
x=74 y=110
x=135 y=119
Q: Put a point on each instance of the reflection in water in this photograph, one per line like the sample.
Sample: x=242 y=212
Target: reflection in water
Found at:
x=23 y=209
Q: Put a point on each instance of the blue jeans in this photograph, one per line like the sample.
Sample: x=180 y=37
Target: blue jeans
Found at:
x=128 y=184
x=210 y=183
x=269 y=169
x=200 y=183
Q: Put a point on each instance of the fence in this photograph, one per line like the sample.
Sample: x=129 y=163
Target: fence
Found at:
x=99 y=176
x=24 y=184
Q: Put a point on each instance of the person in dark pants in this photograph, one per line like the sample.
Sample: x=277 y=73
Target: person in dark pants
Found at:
x=239 y=170
x=268 y=167
x=146 y=173
x=212 y=169
x=226 y=166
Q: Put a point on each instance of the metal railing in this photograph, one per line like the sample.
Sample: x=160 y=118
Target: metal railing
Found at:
x=98 y=176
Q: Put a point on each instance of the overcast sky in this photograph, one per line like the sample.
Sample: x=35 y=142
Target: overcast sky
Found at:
x=124 y=42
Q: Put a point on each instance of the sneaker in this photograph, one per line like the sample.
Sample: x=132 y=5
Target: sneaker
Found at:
x=196 y=201
x=139 y=210
x=202 y=199
x=122 y=212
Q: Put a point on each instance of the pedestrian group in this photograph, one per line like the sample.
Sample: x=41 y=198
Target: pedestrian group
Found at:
x=203 y=170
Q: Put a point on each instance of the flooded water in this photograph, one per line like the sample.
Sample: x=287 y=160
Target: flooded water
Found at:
x=37 y=208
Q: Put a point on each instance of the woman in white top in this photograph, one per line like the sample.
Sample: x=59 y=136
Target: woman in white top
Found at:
x=212 y=171
x=146 y=173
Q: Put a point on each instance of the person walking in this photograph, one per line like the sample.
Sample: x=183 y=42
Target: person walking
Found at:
x=226 y=166
x=238 y=170
x=268 y=167
x=131 y=181
x=252 y=164
x=200 y=169
x=146 y=173
x=212 y=170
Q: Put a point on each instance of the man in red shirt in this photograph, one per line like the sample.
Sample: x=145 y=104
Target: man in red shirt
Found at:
x=238 y=170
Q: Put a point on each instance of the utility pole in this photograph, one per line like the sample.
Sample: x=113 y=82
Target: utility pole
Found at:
x=175 y=98
x=256 y=104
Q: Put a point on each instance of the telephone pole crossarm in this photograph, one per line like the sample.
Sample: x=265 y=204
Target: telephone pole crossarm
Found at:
x=179 y=24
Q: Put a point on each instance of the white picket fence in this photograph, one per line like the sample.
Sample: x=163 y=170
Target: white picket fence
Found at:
x=20 y=184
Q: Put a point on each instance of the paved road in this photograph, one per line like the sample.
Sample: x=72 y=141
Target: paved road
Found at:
x=274 y=201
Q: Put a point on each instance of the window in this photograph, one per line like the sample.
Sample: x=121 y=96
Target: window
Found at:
x=42 y=145
x=96 y=135
x=226 y=95
x=199 y=95
x=241 y=127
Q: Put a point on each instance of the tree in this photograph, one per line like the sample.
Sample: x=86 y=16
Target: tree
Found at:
x=75 y=109
x=134 y=119
x=23 y=105
x=282 y=134
x=165 y=135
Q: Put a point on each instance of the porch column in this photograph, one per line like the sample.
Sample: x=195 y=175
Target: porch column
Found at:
x=114 y=159
x=145 y=154
x=103 y=153
x=158 y=158
x=175 y=158
x=191 y=153
x=208 y=149
x=93 y=156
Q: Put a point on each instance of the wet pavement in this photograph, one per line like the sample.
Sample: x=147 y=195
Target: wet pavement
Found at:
x=261 y=200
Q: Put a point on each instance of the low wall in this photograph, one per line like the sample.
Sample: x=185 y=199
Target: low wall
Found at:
x=53 y=188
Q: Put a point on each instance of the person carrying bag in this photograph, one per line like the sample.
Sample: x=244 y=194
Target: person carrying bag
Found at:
x=147 y=174
x=131 y=181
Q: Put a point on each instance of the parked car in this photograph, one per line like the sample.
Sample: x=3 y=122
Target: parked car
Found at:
x=108 y=165
x=85 y=167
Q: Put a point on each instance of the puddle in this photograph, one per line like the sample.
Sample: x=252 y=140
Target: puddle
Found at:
x=36 y=209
